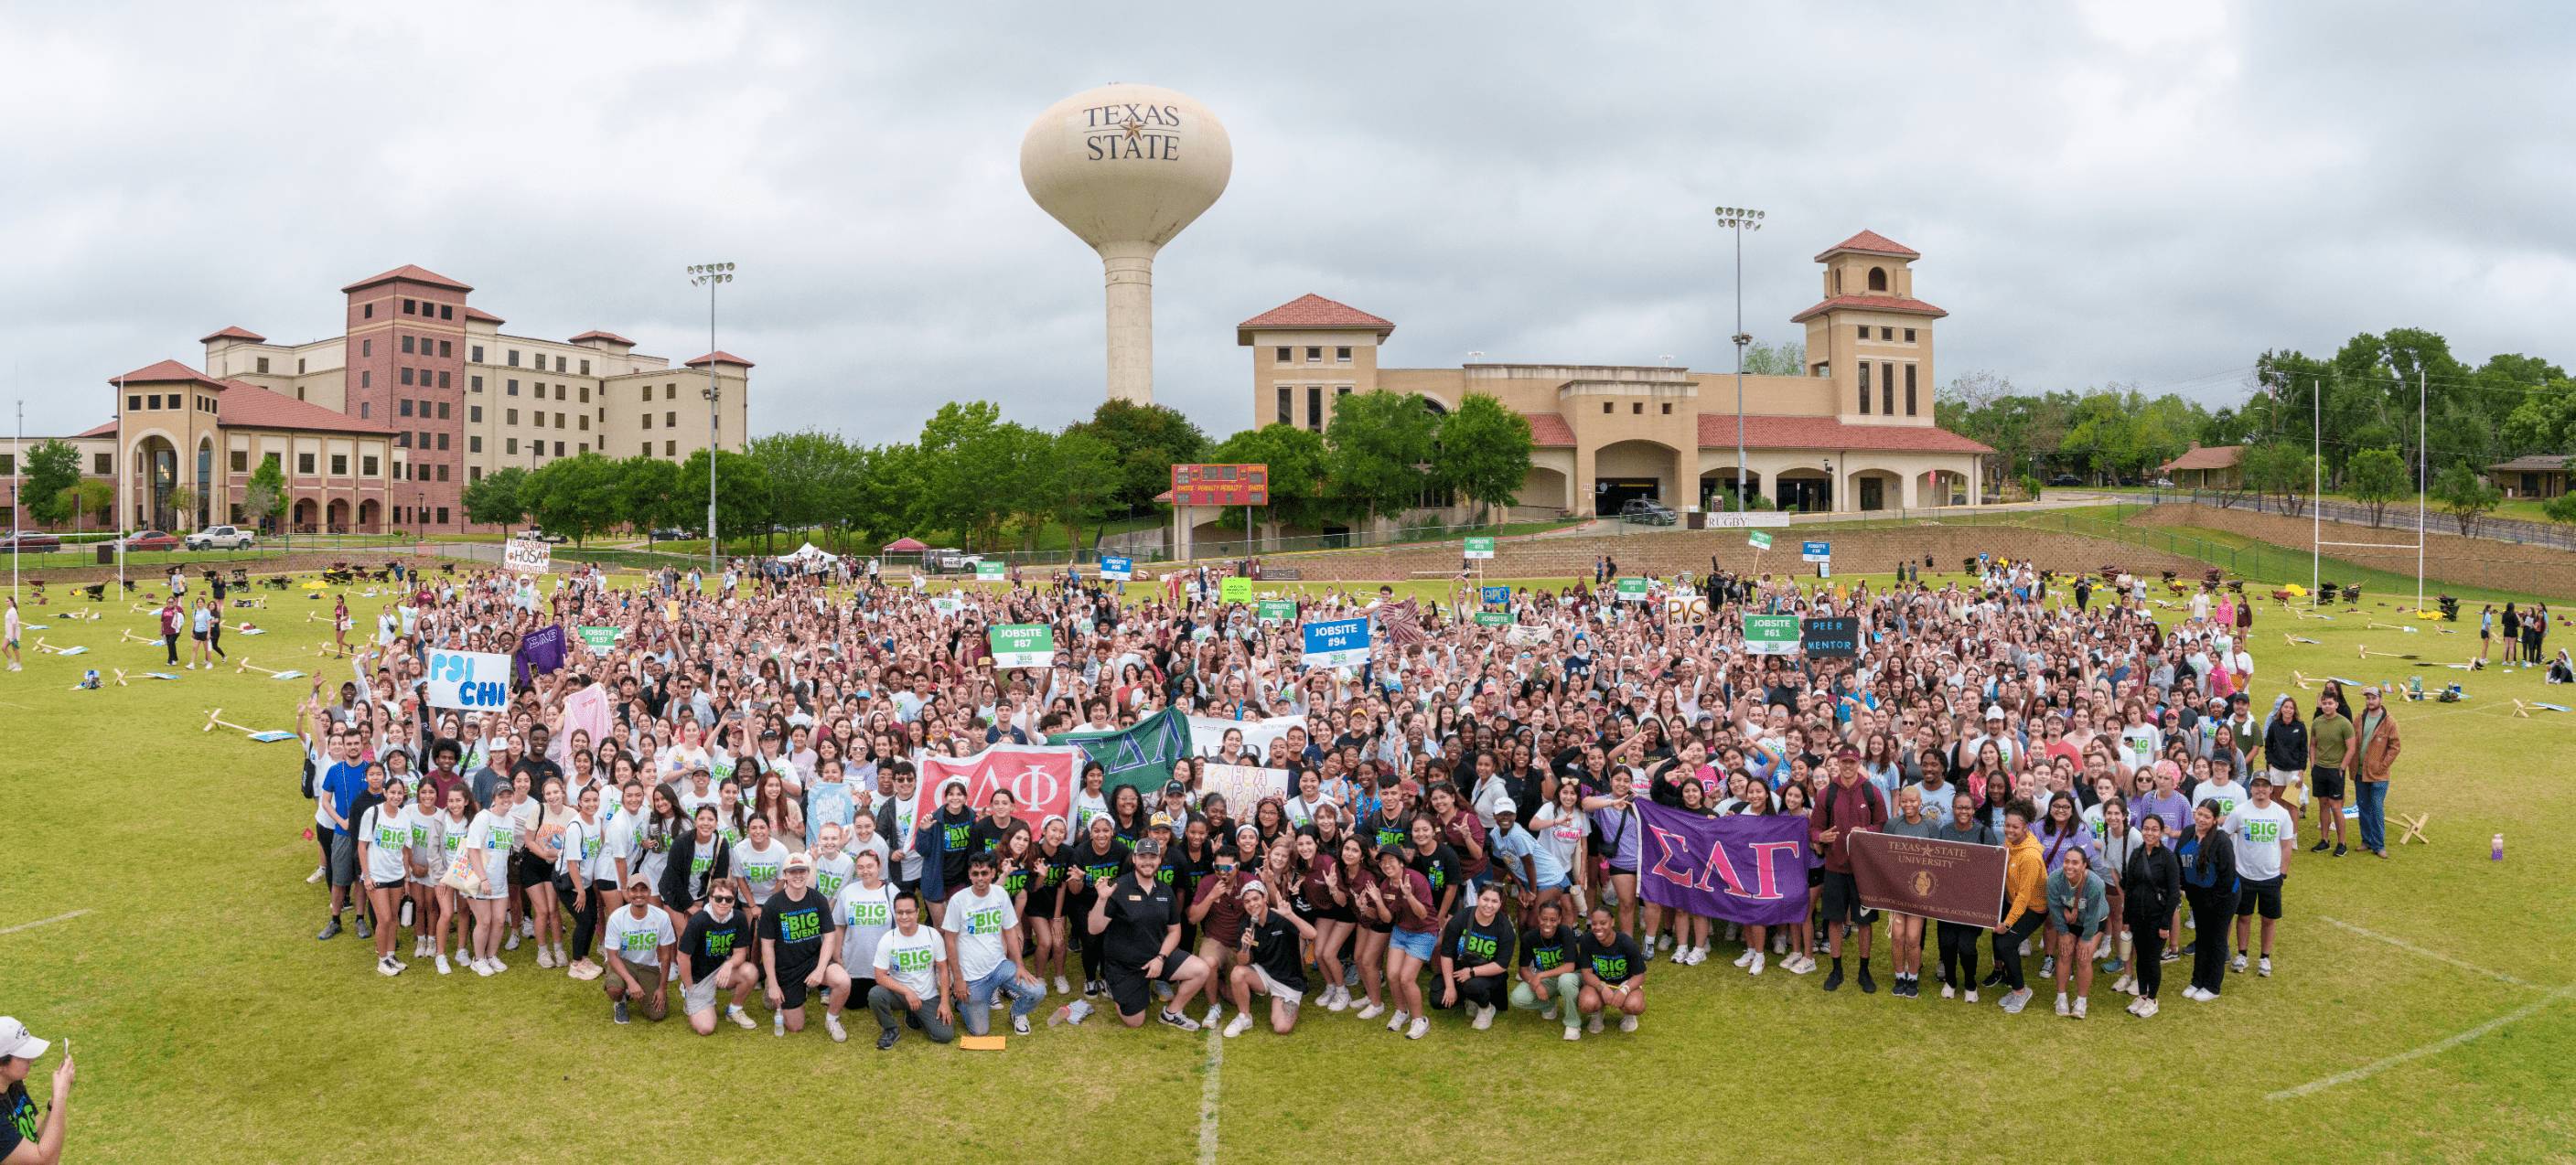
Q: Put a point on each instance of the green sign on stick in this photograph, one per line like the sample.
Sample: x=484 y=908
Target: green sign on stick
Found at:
x=1480 y=548
x=1770 y=634
x=1023 y=645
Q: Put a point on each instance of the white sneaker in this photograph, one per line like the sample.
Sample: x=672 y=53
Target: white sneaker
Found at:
x=1215 y=1010
x=2079 y=1007
x=511 y=943
x=1746 y=957
x=497 y=965
x=315 y=876
x=1240 y=1024
x=1337 y=998
x=528 y=927
x=2061 y=1003
x=1063 y=986
x=1484 y=1018
x=386 y=967
x=545 y=956
x=2135 y=1004
x=483 y=967
x=1970 y=996
x=1421 y=1027
x=2237 y=964
x=832 y=1024
x=2149 y=1010
x=1627 y=1023
x=2124 y=985
x=1548 y=1012
x=1372 y=1011
x=1574 y=1033
x=1754 y=967
x=1397 y=1024
x=443 y=968
x=1949 y=992
x=741 y=1019
x=1593 y=1024
x=2264 y=968
x=1779 y=944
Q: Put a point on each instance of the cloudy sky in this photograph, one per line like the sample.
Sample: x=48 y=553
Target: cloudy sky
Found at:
x=2113 y=191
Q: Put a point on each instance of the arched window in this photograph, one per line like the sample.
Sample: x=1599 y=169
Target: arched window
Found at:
x=1878 y=279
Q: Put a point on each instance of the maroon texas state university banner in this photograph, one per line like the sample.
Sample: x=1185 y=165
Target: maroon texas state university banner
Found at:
x=1953 y=881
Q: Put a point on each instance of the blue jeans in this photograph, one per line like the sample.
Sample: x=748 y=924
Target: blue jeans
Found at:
x=2374 y=820
x=1002 y=980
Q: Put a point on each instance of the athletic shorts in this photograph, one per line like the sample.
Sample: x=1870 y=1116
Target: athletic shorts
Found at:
x=1131 y=989
x=344 y=858
x=1281 y=992
x=648 y=978
x=2252 y=895
x=1418 y=943
x=1815 y=876
x=700 y=996
x=791 y=986
x=199 y=636
x=387 y=884
x=1842 y=900
x=2326 y=783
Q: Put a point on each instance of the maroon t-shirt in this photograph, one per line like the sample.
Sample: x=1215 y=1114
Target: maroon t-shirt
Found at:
x=1845 y=808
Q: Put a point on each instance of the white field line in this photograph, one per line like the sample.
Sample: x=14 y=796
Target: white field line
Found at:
x=1208 y=1097
x=2444 y=1044
x=2403 y=945
x=42 y=922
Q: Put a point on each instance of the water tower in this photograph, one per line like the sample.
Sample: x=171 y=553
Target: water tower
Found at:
x=1125 y=167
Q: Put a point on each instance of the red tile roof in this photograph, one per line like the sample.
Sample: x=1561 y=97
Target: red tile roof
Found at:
x=166 y=372
x=108 y=429
x=1871 y=243
x=413 y=274
x=1830 y=433
x=246 y=405
x=1549 y=430
x=719 y=356
x=233 y=333
x=1895 y=303
x=1312 y=313
x=2206 y=457
x=595 y=334
x=476 y=313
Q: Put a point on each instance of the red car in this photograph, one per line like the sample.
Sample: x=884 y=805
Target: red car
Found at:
x=150 y=540
x=30 y=542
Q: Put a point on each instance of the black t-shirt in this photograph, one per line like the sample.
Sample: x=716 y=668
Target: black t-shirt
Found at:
x=1547 y=954
x=985 y=836
x=19 y=1121
x=708 y=943
x=798 y=925
x=1381 y=831
x=1439 y=867
x=1471 y=944
x=538 y=769
x=1614 y=962
x=1098 y=869
x=1274 y=944
x=956 y=842
x=1140 y=914
x=1182 y=872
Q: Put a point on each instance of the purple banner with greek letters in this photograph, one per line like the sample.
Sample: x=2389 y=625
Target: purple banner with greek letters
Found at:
x=1744 y=869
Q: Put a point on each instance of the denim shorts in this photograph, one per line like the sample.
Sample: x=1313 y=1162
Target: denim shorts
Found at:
x=1417 y=943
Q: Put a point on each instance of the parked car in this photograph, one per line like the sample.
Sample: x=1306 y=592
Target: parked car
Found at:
x=222 y=538
x=542 y=536
x=148 y=540
x=2066 y=479
x=667 y=534
x=1647 y=512
x=949 y=558
x=29 y=542
x=2163 y=483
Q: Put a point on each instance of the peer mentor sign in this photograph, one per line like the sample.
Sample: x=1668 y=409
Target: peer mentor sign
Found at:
x=472 y=680
x=1337 y=643
x=1831 y=638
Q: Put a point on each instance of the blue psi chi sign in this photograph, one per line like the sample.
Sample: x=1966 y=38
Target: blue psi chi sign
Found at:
x=481 y=679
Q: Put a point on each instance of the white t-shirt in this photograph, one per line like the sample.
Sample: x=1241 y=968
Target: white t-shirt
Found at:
x=2226 y=795
x=978 y=922
x=492 y=834
x=907 y=959
x=2259 y=831
x=865 y=915
x=640 y=941
x=830 y=873
x=1560 y=836
x=388 y=838
x=759 y=868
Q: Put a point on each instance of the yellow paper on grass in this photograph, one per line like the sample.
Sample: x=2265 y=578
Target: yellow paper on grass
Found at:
x=980 y=1043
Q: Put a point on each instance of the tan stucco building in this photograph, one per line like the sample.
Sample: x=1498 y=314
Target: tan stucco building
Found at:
x=1855 y=433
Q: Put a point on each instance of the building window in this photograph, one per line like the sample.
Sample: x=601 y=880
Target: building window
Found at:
x=1878 y=279
x=585 y=422
x=406 y=376
x=1637 y=408
x=154 y=401
x=473 y=473
x=474 y=414
x=366 y=347
x=368 y=464
x=648 y=418
x=406 y=341
x=446 y=349
x=1605 y=408
x=299 y=366
x=403 y=440
x=475 y=383
x=1280 y=356
x=102 y=464
x=442 y=380
x=473 y=444
x=585 y=370
x=1287 y=405
x=512 y=356
x=442 y=515
x=134 y=402
x=241 y=460
x=304 y=464
x=1315 y=407
x=648 y=393
x=364 y=408
x=367 y=311
x=670 y=448
x=1668 y=409
x=585 y=389
x=406 y=406
x=511 y=387
x=410 y=307
x=263 y=365
x=559 y=449
x=1342 y=355
x=1887 y=389
x=646 y=451
x=366 y=379
x=442 y=405
x=559 y=392
x=1887 y=333
x=1314 y=355
x=339 y=465
x=669 y=392
x=442 y=472
x=1909 y=335
x=509 y=445
x=670 y=420
x=442 y=442
x=1864 y=331
x=447 y=311
x=510 y=417
x=475 y=353
x=1909 y=390
x=561 y=365
x=1864 y=388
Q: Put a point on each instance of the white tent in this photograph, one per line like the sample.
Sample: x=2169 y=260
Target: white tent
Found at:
x=810 y=553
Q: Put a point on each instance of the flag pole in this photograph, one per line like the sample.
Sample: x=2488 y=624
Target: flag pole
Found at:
x=2316 y=486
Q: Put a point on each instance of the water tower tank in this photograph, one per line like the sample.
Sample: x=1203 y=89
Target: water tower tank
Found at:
x=1125 y=167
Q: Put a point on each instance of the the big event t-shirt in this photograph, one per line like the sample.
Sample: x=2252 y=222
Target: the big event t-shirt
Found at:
x=798 y=926
x=1470 y=943
x=956 y=842
x=908 y=959
x=1548 y=954
x=978 y=921
x=639 y=940
x=1613 y=962
x=2259 y=831
x=708 y=943
x=865 y=914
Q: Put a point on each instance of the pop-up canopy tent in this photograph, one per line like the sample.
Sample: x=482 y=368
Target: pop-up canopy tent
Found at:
x=906 y=546
x=810 y=553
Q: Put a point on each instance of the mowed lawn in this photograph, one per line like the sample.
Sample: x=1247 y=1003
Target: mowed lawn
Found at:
x=211 y=1026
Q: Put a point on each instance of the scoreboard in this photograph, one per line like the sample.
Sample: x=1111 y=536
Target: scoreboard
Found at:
x=1220 y=485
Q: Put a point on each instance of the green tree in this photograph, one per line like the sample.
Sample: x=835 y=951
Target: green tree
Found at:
x=575 y=497
x=183 y=507
x=1787 y=358
x=811 y=474
x=1296 y=458
x=886 y=500
x=90 y=498
x=1082 y=482
x=52 y=467
x=2468 y=497
x=2280 y=469
x=494 y=499
x=1148 y=439
x=742 y=492
x=1484 y=452
x=2563 y=507
x=1381 y=447
x=2375 y=477
x=648 y=495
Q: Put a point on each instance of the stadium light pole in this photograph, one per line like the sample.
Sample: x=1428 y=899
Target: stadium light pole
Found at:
x=1739 y=219
x=712 y=276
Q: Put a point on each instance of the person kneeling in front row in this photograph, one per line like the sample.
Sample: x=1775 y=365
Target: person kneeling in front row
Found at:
x=910 y=964
x=639 y=941
x=1271 y=963
x=1614 y=974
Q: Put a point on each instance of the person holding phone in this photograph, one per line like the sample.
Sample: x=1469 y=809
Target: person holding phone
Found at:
x=24 y=1139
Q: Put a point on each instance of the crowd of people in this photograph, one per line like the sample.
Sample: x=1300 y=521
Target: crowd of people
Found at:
x=1460 y=833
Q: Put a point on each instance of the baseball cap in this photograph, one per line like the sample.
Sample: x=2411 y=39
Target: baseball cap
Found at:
x=17 y=1043
x=2372 y=690
x=1994 y=711
x=1252 y=888
x=800 y=860
x=639 y=879
x=2260 y=777
x=1507 y=809
x=1150 y=848
x=1847 y=752
x=1175 y=789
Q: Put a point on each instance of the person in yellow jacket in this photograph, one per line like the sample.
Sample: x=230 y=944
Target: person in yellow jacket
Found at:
x=2025 y=903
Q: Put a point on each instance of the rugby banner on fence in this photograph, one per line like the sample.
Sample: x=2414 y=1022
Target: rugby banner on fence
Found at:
x=1749 y=868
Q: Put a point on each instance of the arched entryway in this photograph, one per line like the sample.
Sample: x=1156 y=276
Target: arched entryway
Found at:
x=1875 y=489
x=338 y=510
x=1803 y=489
x=307 y=514
x=370 y=516
x=1714 y=485
x=1941 y=487
x=1544 y=489
x=1623 y=470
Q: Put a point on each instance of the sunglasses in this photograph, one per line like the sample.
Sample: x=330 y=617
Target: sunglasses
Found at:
x=722 y=899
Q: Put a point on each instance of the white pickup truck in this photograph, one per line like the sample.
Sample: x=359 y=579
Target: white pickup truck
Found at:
x=222 y=538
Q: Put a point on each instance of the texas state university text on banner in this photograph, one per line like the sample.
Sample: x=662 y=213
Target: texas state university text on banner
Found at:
x=1952 y=881
x=1745 y=869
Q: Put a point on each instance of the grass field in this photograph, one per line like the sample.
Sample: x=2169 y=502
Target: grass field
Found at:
x=154 y=911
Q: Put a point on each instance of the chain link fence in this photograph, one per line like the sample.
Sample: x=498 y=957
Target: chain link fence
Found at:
x=2398 y=516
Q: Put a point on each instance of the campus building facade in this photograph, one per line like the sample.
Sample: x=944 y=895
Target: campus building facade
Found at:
x=1854 y=433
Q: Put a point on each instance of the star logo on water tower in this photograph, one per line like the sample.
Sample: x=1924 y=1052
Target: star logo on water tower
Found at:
x=1133 y=127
